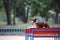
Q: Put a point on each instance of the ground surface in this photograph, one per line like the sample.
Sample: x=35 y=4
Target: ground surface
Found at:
x=16 y=37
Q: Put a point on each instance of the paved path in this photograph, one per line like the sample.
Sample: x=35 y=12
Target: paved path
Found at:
x=10 y=37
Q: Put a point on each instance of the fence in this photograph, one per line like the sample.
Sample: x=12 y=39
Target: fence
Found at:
x=11 y=31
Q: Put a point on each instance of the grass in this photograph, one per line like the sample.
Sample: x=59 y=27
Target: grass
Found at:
x=20 y=24
x=17 y=24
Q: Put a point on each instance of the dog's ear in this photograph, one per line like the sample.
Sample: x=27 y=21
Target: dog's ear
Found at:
x=33 y=19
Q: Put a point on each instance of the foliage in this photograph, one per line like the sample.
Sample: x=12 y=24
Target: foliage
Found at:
x=39 y=7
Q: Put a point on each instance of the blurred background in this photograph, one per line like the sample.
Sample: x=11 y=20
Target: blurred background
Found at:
x=16 y=14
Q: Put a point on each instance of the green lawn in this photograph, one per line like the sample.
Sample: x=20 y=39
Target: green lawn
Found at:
x=17 y=24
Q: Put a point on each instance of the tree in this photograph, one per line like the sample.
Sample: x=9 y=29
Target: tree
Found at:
x=40 y=7
x=6 y=5
x=14 y=13
x=22 y=12
x=45 y=13
x=56 y=6
x=14 y=4
x=1 y=4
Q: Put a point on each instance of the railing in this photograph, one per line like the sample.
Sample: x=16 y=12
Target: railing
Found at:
x=11 y=31
x=35 y=32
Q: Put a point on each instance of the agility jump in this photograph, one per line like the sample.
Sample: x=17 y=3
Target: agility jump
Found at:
x=35 y=32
